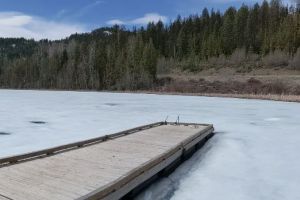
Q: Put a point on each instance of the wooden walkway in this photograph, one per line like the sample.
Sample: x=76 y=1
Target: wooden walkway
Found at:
x=108 y=167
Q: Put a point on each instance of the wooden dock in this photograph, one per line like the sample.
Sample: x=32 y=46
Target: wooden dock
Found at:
x=110 y=167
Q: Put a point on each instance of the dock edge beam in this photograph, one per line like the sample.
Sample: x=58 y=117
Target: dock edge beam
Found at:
x=140 y=179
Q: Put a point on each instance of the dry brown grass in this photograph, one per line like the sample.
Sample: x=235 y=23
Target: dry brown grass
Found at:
x=295 y=63
x=276 y=59
x=273 y=97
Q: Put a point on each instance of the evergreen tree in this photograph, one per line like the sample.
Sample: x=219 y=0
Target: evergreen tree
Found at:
x=117 y=57
x=228 y=40
x=240 y=25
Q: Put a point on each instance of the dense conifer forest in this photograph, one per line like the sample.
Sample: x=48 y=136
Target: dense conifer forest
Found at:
x=118 y=58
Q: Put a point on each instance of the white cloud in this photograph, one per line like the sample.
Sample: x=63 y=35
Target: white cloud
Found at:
x=149 y=17
x=61 y=13
x=13 y=19
x=115 y=21
x=14 y=24
x=87 y=8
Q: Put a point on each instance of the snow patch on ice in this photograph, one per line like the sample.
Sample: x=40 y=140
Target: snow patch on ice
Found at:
x=272 y=119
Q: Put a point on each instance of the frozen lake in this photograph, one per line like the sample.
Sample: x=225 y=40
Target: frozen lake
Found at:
x=254 y=154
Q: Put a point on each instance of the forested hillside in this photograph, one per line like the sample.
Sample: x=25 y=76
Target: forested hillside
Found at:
x=263 y=35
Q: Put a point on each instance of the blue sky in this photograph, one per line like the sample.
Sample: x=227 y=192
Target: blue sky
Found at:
x=55 y=19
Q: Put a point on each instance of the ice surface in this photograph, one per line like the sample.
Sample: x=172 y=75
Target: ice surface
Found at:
x=255 y=153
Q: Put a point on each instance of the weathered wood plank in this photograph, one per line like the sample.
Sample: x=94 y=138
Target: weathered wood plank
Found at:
x=2 y=197
x=55 y=150
x=106 y=170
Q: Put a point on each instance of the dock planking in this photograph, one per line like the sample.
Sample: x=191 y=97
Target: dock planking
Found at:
x=109 y=167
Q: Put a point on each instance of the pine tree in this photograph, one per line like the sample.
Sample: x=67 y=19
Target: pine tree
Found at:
x=240 y=25
x=228 y=40
x=252 y=43
x=149 y=59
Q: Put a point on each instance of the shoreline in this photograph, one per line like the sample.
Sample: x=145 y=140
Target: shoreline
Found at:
x=270 y=97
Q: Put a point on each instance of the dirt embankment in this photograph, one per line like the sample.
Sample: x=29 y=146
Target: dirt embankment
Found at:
x=274 y=84
x=251 y=86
